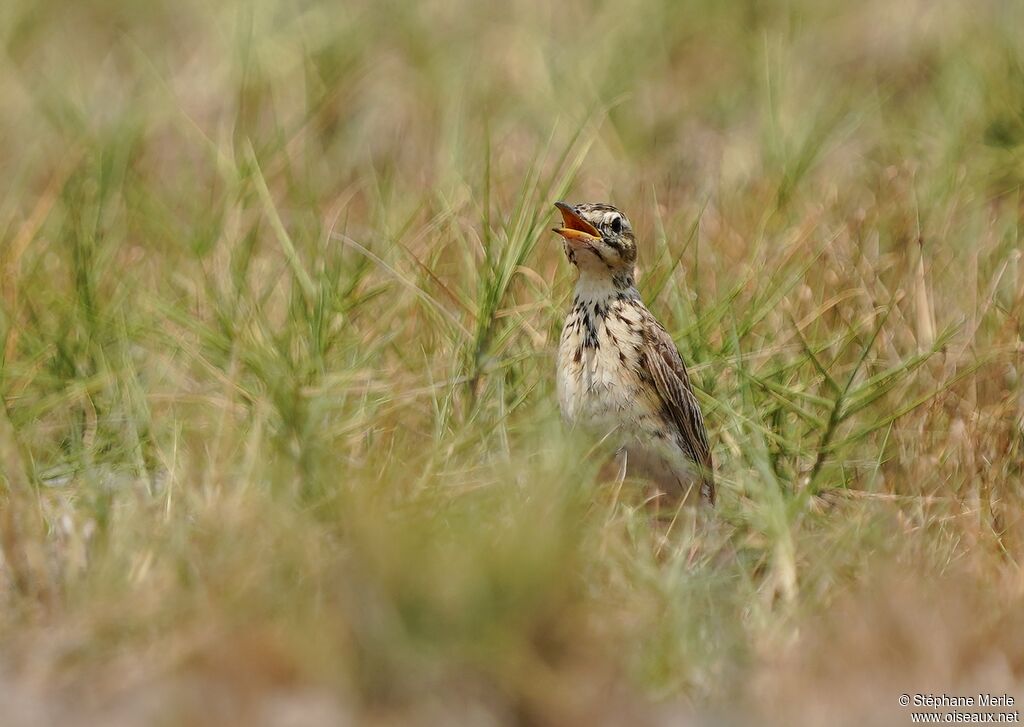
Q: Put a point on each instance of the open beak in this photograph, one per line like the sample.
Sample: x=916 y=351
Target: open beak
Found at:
x=574 y=228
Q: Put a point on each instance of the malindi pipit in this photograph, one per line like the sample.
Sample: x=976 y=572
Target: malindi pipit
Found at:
x=619 y=371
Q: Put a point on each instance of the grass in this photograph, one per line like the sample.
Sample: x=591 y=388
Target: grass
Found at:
x=279 y=307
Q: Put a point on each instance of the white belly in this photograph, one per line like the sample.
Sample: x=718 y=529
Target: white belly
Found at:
x=598 y=386
x=600 y=389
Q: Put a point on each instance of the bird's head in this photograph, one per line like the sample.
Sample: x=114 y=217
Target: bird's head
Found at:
x=598 y=240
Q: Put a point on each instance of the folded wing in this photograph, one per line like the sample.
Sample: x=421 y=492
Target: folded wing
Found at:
x=680 y=406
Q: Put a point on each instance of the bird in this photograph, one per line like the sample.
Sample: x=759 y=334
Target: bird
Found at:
x=619 y=372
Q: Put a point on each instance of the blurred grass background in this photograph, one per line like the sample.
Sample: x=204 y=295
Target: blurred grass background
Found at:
x=279 y=309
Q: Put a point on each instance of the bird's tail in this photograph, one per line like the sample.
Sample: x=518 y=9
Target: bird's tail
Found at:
x=707 y=489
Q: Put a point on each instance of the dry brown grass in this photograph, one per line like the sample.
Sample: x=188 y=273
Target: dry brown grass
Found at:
x=279 y=306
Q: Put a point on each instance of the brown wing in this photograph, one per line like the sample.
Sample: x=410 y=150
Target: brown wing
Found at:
x=680 y=405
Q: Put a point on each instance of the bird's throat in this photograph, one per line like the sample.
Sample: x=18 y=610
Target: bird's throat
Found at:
x=599 y=285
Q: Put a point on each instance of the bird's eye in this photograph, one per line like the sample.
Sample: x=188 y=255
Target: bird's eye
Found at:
x=616 y=225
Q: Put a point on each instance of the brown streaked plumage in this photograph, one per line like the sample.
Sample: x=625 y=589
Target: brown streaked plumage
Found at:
x=618 y=368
